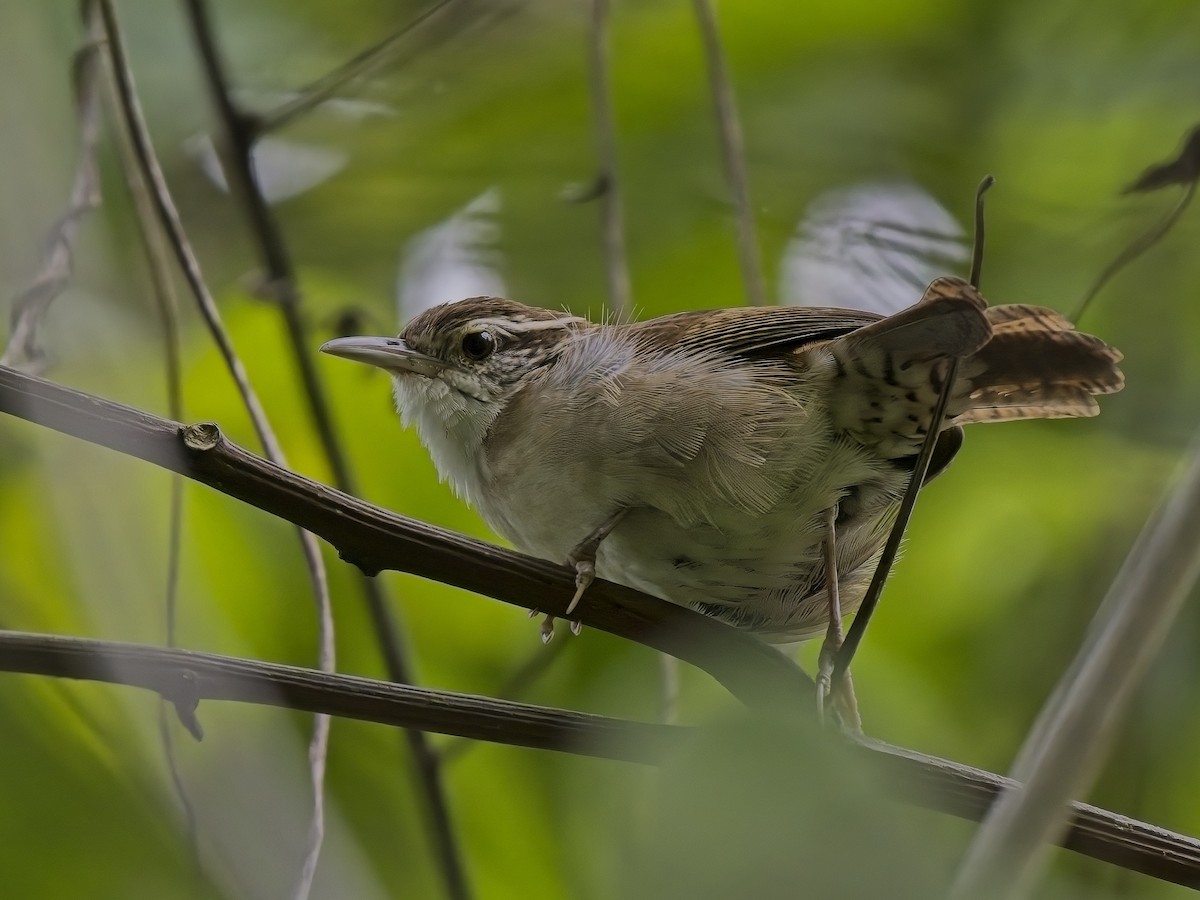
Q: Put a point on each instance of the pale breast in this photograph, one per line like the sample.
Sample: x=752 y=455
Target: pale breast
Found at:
x=763 y=573
x=727 y=478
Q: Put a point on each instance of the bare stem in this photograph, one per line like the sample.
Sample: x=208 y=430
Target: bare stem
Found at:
x=616 y=265
x=187 y=677
x=167 y=303
x=1064 y=749
x=513 y=688
x=1136 y=248
x=883 y=568
x=30 y=306
x=172 y=226
x=241 y=132
x=317 y=92
x=375 y=539
x=733 y=152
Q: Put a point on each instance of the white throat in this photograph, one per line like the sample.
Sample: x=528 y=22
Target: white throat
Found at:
x=452 y=427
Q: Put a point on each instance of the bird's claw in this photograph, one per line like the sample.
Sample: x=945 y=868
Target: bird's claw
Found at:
x=547 y=629
x=585 y=574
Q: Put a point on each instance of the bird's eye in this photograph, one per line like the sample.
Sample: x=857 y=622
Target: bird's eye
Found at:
x=478 y=345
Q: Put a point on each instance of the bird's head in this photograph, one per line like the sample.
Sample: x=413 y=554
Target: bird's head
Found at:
x=455 y=367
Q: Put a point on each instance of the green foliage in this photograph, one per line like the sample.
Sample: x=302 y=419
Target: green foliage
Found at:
x=1007 y=559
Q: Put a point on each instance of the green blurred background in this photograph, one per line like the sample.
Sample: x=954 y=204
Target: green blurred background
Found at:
x=1064 y=101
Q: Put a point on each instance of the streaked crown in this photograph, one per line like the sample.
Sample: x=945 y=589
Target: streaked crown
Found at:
x=497 y=340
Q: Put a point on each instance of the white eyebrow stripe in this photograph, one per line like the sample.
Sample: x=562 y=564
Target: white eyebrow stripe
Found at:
x=508 y=325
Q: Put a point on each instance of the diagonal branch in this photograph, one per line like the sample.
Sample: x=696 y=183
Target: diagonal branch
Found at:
x=1136 y=248
x=916 y=481
x=1064 y=750
x=186 y=677
x=375 y=539
x=168 y=215
x=162 y=287
x=240 y=135
x=970 y=793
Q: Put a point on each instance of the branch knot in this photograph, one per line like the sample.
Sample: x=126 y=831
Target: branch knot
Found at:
x=202 y=436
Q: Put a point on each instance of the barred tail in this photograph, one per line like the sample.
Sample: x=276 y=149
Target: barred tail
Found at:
x=1036 y=366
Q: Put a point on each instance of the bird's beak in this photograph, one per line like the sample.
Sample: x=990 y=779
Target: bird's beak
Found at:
x=387 y=353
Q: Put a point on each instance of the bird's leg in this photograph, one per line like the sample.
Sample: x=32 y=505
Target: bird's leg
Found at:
x=583 y=558
x=844 y=701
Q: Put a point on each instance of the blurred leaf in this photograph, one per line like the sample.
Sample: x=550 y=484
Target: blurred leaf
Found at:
x=455 y=259
x=856 y=116
x=873 y=247
x=284 y=168
x=1183 y=169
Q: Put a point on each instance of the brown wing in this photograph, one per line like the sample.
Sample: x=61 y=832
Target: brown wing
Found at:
x=747 y=331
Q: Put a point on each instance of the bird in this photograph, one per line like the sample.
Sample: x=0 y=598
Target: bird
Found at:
x=710 y=457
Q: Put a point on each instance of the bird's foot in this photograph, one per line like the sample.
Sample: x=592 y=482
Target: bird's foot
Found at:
x=840 y=696
x=547 y=629
x=583 y=559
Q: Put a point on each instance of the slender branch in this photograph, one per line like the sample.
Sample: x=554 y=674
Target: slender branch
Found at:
x=978 y=245
x=240 y=136
x=187 y=677
x=858 y=628
x=733 y=152
x=1064 y=749
x=172 y=226
x=168 y=215
x=317 y=92
x=30 y=306
x=1136 y=248
x=375 y=539
x=620 y=295
x=167 y=304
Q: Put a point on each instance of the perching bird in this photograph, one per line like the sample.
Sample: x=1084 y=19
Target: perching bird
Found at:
x=701 y=456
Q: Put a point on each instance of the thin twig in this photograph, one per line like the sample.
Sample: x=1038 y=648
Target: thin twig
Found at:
x=54 y=273
x=887 y=558
x=187 y=677
x=240 y=136
x=883 y=568
x=1063 y=751
x=317 y=92
x=616 y=264
x=976 y=273
x=1136 y=248
x=167 y=304
x=375 y=539
x=177 y=238
x=166 y=735
x=612 y=226
x=733 y=153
